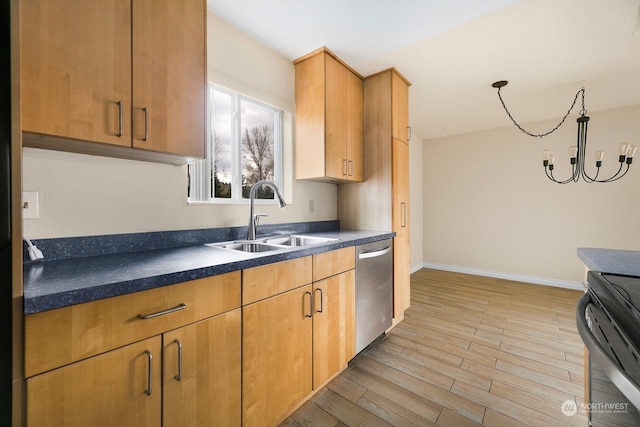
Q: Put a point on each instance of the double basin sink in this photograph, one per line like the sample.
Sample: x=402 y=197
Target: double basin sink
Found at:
x=272 y=243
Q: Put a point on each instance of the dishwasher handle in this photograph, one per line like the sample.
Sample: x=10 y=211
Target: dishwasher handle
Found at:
x=374 y=254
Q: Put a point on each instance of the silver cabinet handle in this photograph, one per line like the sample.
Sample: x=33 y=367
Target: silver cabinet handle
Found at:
x=345 y=167
x=408 y=133
x=310 y=314
x=178 y=307
x=179 y=375
x=321 y=299
x=146 y=123
x=148 y=391
x=120 y=130
x=350 y=163
x=404 y=214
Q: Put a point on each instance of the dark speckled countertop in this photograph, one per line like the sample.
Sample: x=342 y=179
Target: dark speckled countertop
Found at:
x=64 y=281
x=614 y=261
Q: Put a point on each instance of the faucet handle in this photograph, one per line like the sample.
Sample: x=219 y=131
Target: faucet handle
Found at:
x=256 y=218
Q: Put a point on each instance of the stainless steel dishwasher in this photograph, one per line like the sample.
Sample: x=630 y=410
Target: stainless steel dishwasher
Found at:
x=374 y=291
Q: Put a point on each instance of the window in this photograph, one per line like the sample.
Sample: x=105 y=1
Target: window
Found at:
x=244 y=147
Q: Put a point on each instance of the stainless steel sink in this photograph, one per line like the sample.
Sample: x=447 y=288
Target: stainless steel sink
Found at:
x=251 y=247
x=267 y=244
x=298 y=240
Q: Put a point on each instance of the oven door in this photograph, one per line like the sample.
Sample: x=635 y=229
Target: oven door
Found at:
x=613 y=395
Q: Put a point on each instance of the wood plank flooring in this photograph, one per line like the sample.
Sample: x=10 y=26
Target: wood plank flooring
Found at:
x=471 y=351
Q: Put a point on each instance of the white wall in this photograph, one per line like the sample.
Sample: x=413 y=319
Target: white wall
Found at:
x=489 y=207
x=84 y=195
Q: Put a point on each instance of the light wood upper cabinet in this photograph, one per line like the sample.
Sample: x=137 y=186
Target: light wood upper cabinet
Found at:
x=76 y=68
x=400 y=108
x=121 y=74
x=169 y=79
x=329 y=123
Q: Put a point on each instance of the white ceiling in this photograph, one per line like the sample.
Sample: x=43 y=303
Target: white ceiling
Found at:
x=452 y=50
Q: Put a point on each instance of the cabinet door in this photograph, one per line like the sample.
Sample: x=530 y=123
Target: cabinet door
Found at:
x=355 y=126
x=401 y=248
x=76 y=69
x=169 y=81
x=399 y=107
x=112 y=389
x=335 y=119
x=201 y=373
x=333 y=325
x=276 y=356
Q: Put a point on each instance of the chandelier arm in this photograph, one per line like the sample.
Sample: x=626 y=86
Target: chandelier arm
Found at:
x=552 y=130
x=552 y=178
x=616 y=177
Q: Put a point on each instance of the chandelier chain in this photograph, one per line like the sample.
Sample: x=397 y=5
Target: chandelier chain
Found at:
x=575 y=99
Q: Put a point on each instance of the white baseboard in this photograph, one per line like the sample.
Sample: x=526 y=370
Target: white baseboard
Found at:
x=507 y=276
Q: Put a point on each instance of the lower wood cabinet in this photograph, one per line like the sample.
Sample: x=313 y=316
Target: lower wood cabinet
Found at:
x=169 y=356
x=294 y=341
x=118 y=388
x=276 y=356
x=201 y=373
x=186 y=377
x=334 y=339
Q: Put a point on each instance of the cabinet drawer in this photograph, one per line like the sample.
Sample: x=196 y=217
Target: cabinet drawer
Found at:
x=62 y=336
x=334 y=262
x=272 y=279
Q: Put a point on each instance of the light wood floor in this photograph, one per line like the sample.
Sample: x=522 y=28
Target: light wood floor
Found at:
x=471 y=351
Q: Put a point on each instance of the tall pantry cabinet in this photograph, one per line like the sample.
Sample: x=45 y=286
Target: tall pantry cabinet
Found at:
x=381 y=202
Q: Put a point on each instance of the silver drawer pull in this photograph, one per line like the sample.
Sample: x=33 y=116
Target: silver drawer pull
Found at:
x=178 y=307
x=310 y=314
x=149 y=389
x=120 y=131
x=321 y=300
x=179 y=375
x=146 y=123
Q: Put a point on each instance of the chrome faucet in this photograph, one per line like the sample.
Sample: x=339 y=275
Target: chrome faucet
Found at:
x=254 y=218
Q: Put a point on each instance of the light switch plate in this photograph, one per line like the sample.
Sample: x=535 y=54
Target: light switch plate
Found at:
x=30 y=208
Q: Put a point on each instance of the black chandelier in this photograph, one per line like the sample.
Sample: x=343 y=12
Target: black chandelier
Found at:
x=576 y=152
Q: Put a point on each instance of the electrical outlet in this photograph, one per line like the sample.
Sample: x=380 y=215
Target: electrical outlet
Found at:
x=312 y=206
x=30 y=208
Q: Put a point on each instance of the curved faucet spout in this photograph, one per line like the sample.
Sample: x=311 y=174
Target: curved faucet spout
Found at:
x=253 y=224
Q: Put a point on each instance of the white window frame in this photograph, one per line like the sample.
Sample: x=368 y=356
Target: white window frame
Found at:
x=200 y=186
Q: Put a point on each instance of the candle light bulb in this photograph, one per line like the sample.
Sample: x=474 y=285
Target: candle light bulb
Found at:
x=545 y=154
x=573 y=151
x=631 y=151
x=551 y=159
x=624 y=146
x=599 y=156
